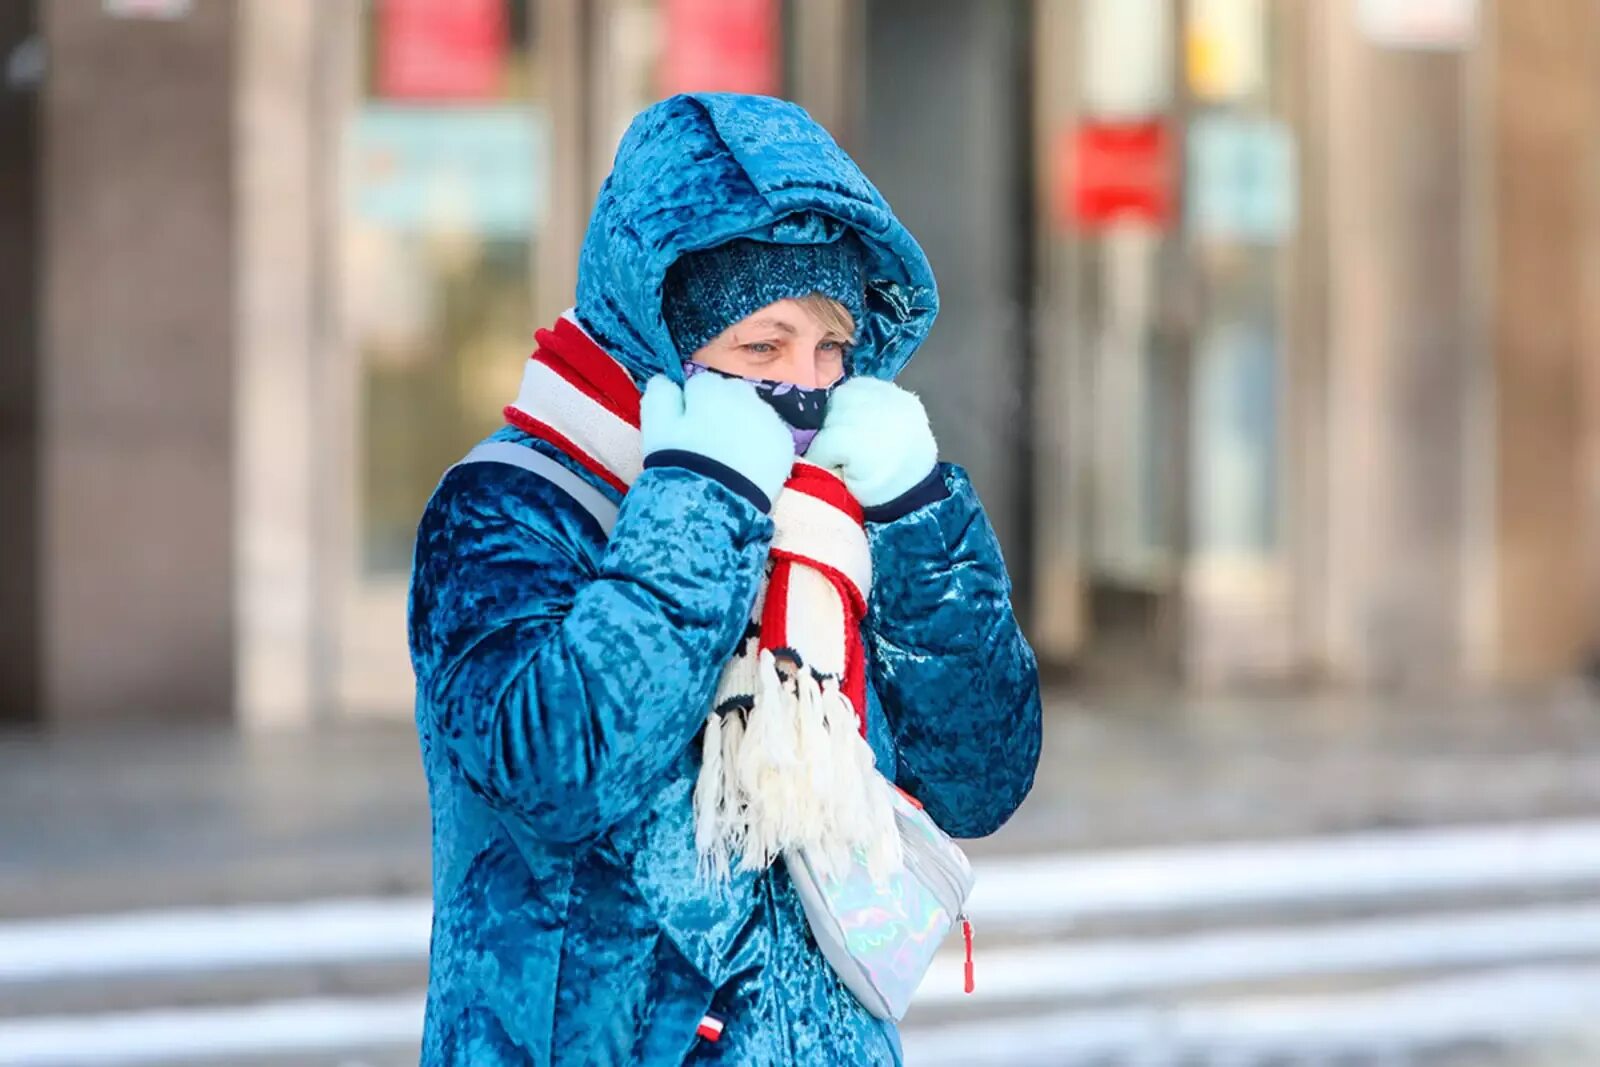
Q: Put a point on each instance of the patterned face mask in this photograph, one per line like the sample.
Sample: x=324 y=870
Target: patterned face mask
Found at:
x=801 y=407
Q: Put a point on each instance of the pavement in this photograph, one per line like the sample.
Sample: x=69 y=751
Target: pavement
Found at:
x=1273 y=879
x=177 y=816
x=165 y=817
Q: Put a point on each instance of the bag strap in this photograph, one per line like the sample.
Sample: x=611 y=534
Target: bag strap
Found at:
x=586 y=496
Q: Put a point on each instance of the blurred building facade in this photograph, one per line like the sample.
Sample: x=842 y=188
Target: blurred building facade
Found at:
x=1270 y=336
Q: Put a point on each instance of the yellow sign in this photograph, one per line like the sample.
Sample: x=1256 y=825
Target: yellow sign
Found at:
x=1225 y=49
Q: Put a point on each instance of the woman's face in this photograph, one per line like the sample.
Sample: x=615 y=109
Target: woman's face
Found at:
x=782 y=342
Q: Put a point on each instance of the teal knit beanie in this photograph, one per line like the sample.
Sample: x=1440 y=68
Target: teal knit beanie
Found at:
x=707 y=291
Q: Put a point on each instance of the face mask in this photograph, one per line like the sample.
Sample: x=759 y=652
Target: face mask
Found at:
x=800 y=407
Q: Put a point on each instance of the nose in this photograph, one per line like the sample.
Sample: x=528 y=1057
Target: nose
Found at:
x=807 y=371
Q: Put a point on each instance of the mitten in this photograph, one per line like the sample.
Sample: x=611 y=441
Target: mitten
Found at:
x=720 y=420
x=876 y=435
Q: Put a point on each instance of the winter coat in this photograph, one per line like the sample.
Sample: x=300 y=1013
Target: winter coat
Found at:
x=562 y=678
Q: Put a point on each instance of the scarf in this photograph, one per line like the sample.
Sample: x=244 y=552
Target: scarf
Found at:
x=785 y=763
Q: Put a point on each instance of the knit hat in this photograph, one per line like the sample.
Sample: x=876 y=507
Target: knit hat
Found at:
x=707 y=291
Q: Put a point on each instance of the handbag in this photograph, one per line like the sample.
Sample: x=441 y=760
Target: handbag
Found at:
x=880 y=937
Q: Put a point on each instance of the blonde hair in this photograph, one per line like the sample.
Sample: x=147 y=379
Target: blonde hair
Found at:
x=829 y=314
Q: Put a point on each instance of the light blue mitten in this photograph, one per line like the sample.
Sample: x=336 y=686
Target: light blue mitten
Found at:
x=876 y=436
x=720 y=420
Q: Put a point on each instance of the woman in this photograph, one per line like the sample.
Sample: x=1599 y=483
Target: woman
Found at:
x=623 y=731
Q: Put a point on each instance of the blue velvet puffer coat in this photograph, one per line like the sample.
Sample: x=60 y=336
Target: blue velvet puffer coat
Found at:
x=562 y=677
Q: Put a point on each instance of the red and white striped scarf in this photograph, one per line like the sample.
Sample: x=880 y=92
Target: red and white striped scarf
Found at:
x=785 y=761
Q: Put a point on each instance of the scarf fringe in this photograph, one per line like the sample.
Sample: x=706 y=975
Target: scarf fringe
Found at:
x=792 y=772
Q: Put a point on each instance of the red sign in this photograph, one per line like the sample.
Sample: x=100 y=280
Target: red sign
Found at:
x=1112 y=171
x=720 y=46
x=441 y=49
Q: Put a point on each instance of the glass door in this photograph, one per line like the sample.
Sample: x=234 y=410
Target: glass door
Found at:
x=443 y=205
x=1112 y=336
x=1241 y=193
x=1168 y=212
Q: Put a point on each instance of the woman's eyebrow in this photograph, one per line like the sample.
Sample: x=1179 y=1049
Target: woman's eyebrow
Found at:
x=775 y=324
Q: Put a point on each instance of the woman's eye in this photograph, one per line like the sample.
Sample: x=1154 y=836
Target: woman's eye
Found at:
x=761 y=348
x=835 y=348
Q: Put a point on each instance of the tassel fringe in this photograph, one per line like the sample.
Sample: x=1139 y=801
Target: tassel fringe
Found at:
x=794 y=772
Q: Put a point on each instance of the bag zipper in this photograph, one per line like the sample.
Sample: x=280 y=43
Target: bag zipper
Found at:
x=931 y=870
x=966 y=935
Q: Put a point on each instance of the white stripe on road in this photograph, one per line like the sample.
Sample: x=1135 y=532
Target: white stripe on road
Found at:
x=1390 y=866
x=1015 y=894
x=1111 y=968
x=339 y=931
x=282 y=1028
x=1518 y=1005
x=1554 y=1006
x=1049 y=972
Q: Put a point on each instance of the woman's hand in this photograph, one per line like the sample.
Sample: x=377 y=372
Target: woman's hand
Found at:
x=719 y=419
x=876 y=435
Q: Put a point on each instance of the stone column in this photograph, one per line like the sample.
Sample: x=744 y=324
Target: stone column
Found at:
x=1591 y=348
x=136 y=394
x=826 y=70
x=20 y=48
x=1401 y=361
x=564 y=43
x=285 y=286
x=1545 y=126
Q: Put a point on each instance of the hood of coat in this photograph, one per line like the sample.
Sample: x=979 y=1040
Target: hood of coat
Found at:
x=696 y=170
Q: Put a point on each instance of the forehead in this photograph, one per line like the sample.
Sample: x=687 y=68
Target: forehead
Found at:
x=785 y=316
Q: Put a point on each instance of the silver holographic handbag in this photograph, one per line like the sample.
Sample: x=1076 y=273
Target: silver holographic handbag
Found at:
x=881 y=937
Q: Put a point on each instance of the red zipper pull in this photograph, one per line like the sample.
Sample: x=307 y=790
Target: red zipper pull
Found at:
x=966 y=933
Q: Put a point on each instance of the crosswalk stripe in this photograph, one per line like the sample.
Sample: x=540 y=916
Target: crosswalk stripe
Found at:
x=1505 y=1005
x=1109 y=968
x=1012 y=895
x=215 y=939
x=285 y=1028
x=1390 y=865
x=1559 y=1005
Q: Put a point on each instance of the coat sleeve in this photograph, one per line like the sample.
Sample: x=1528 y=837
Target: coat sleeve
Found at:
x=561 y=689
x=956 y=677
